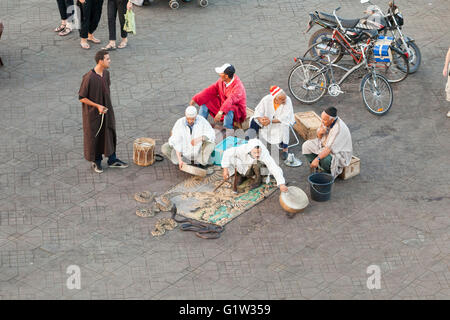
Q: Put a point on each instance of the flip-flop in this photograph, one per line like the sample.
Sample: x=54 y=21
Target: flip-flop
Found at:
x=94 y=40
x=60 y=28
x=65 y=32
x=109 y=47
x=85 y=46
x=122 y=45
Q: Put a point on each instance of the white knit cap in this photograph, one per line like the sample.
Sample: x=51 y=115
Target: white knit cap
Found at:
x=191 y=112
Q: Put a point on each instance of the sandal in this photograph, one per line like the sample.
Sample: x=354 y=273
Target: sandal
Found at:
x=60 y=28
x=109 y=47
x=122 y=45
x=94 y=40
x=85 y=45
x=65 y=32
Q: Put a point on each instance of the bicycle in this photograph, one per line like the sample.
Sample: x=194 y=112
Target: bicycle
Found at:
x=314 y=76
x=346 y=41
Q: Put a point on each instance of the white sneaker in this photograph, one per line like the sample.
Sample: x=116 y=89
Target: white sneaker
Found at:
x=448 y=114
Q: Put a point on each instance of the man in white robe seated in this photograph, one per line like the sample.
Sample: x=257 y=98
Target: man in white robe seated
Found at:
x=272 y=118
x=247 y=160
x=332 y=149
x=192 y=139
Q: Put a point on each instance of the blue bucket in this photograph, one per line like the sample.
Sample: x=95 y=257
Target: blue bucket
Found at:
x=320 y=184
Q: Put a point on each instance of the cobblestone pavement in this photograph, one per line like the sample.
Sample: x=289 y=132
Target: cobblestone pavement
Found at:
x=55 y=212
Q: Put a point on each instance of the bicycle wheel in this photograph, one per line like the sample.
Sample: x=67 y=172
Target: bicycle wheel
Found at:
x=305 y=82
x=326 y=47
x=377 y=93
x=395 y=71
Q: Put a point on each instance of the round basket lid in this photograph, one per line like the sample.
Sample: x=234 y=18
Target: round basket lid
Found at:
x=146 y=142
x=295 y=198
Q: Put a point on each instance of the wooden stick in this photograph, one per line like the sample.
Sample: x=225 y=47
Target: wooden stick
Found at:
x=235 y=180
x=220 y=185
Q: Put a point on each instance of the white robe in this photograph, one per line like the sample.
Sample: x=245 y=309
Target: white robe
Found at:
x=339 y=141
x=181 y=137
x=239 y=158
x=275 y=133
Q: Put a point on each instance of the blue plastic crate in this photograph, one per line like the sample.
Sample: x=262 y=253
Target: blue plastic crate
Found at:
x=387 y=38
x=381 y=49
x=381 y=53
x=225 y=144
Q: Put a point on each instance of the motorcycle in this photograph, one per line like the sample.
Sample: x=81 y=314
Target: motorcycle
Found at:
x=374 y=20
x=346 y=38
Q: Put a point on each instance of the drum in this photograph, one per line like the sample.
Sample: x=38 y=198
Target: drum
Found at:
x=294 y=201
x=144 y=151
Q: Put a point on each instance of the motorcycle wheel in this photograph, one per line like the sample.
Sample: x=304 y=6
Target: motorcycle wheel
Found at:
x=377 y=94
x=302 y=87
x=324 y=36
x=415 y=58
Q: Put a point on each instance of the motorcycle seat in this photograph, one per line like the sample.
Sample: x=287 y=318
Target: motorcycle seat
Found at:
x=346 y=23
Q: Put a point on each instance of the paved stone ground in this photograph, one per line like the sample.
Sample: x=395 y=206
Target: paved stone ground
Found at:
x=55 y=212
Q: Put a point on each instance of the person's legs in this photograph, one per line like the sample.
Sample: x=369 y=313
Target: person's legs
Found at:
x=112 y=13
x=98 y=158
x=228 y=120
x=85 y=10
x=62 y=10
x=168 y=152
x=447 y=91
x=70 y=9
x=252 y=178
x=310 y=157
x=286 y=134
x=97 y=163
x=311 y=146
x=253 y=130
x=203 y=111
x=114 y=162
x=112 y=158
x=122 y=9
x=257 y=178
x=66 y=10
x=284 y=147
x=96 y=14
x=325 y=163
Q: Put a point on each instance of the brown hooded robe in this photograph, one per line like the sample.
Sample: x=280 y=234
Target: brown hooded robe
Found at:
x=97 y=89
